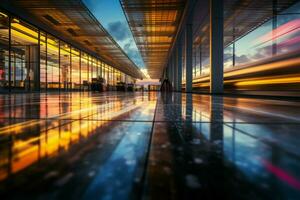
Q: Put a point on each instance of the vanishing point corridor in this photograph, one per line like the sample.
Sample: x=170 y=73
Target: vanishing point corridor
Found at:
x=149 y=99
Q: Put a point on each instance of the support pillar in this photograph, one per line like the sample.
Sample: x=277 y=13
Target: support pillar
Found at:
x=188 y=58
x=216 y=46
x=179 y=66
x=168 y=71
x=171 y=71
x=174 y=72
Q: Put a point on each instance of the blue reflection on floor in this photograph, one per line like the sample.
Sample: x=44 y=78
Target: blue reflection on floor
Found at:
x=115 y=177
x=209 y=147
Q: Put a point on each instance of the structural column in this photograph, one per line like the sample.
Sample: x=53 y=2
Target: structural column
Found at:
x=216 y=46
x=171 y=71
x=174 y=71
x=179 y=66
x=188 y=58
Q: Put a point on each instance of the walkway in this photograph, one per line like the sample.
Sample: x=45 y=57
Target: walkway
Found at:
x=97 y=146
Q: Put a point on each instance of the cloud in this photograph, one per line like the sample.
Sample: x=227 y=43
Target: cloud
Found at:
x=242 y=59
x=133 y=52
x=121 y=33
x=110 y=15
x=118 y=30
x=227 y=57
x=263 y=52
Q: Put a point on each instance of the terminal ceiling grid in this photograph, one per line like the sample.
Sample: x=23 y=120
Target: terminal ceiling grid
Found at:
x=154 y=26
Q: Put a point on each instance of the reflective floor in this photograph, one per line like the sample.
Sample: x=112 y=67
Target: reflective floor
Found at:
x=148 y=146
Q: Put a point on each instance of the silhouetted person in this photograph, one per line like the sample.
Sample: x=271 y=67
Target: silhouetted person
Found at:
x=166 y=86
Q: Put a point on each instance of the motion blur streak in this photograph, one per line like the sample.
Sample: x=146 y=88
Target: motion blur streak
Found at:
x=282 y=175
x=284 y=73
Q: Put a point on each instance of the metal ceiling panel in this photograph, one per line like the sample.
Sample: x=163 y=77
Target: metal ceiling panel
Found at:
x=154 y=25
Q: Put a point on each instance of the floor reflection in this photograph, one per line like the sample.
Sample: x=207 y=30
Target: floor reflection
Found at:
x=216 y=147
x=40 y=128
x=95 y=146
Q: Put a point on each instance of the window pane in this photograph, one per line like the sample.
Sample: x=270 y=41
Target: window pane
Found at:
x=287 y=33
x=75 y=69
x=84 y=69
x=65 y=65
x=254 y=46
x=228 y=55
x=52 y=62
x=4 y=38
x=24 y=54
x=43 y=55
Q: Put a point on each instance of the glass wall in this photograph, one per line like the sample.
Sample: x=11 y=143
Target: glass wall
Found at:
x=268 y=49
x=4 y=51
x=84 y=70
x=31 y=59
x=253 y=47
x=43 y=61
x=75 y=71
x=65 y=66
x=24 y=54
x=287 y=32
x=53 y=68
x=94 y=70
x=278 y=36
x=99 y=68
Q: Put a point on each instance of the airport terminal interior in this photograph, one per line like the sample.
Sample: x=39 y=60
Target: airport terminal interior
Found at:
x=81 y=119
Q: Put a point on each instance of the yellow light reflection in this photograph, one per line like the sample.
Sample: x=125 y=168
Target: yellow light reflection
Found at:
x=61 y=131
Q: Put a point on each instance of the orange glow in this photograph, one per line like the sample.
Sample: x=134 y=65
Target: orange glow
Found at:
x=269 y=80
x=256 y=75
x=61 y=134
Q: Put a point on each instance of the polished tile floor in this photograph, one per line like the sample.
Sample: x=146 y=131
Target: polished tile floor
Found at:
x=148 y=146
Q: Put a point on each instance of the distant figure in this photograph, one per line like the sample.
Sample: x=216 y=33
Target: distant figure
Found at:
x=166 y=86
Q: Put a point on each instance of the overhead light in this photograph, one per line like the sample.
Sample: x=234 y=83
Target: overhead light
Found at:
x=52 y=20
x=87 y=42
x=72 y=32
x=16 y=20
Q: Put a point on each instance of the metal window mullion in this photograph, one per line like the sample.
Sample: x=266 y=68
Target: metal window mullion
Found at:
x=59 y=67
x=15 y=69
x=46 y=62
x=274 y=26
x=200 y=61
x=80 y=85
x=9 y=53
x=71 y=84
x=37 y=77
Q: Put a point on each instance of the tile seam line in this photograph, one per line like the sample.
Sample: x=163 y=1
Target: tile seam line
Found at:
x=143 y=178
x=156 y=121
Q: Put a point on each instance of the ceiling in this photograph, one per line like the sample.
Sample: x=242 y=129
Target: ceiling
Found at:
x=154 y=25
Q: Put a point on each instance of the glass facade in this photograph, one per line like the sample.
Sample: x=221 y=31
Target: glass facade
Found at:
x=277 y=36
x=31 y=59
x=4 y=50
x=24 y=55
x=271 y=41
